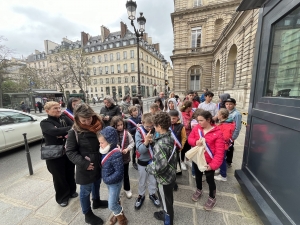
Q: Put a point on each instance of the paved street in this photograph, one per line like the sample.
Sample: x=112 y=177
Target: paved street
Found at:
x=29 y=200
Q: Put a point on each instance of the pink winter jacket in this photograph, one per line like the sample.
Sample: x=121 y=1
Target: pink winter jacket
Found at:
x=215 y=141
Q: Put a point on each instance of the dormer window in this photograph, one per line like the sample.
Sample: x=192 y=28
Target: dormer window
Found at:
x=86 y=50
x=92 y=49
x=111 y=45
x=88 y=43
x=132 y=41
x=119 y=36
x=98 y=48
x=124 y=43
x=105 y=46
x=117 y=44
x=95 y=42
x=106 y=39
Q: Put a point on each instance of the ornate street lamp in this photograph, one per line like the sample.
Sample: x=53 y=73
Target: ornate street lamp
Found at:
x=131 y=10
x=165 y=65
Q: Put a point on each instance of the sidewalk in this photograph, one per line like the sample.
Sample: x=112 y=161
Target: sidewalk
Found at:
x=30 y=201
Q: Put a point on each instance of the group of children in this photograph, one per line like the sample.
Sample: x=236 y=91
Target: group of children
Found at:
x=159 y=141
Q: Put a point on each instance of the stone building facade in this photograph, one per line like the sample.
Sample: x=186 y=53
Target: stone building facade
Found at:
x=213 y=47
x=111 y=61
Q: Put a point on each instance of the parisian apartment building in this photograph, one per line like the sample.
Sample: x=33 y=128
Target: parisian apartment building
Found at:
x=214 y=47
x=111 y=64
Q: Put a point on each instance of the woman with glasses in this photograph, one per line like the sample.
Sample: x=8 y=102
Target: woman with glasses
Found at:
x=55 y=128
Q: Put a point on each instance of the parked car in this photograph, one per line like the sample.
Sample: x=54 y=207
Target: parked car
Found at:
x=13 y=124
x=101 y=100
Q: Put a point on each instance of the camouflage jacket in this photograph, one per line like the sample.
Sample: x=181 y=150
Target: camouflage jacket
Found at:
x=163 y=169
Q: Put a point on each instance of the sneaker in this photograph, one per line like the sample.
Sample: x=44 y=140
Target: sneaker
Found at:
x=183 y=166
x=139 y=202
x=189 y=163
x=229 y=165
x=160 y=215
x=196 y=196
x=217 y=171
x=128 y=194
x=193 y=176
x=210 y=203
x=220 y=178
x=155 y=200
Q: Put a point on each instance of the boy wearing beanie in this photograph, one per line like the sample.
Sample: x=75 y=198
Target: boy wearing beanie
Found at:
x=112 y=172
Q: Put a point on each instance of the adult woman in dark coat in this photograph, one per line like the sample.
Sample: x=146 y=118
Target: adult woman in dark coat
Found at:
x=109 y=110
x=54 y=129
x=83 y=150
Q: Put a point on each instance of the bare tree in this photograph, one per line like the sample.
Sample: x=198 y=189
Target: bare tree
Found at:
x=69 y=67
x=5 y=53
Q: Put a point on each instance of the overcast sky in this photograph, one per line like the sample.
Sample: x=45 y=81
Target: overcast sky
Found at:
x=26 y=24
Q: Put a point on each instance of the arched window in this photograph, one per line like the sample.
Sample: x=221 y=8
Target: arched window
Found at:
x=195 y=74
x=231 y=66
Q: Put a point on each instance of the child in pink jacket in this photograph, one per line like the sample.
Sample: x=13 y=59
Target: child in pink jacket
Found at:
x=214 y=154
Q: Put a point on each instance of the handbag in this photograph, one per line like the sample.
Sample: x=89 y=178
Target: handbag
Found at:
x=52 y=151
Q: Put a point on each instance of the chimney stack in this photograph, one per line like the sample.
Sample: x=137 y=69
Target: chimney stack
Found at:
x=156 y=46
x=104 y=33
x=84 y=38
x=123 y=29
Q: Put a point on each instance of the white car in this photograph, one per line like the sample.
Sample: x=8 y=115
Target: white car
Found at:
x=13 y=124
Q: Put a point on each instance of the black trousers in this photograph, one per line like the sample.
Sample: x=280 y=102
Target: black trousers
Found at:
x=229 y=154
x=134 y=154
x=185 y=148
x=63 y=172
x=166 y=196
x=126 y=182
x=209 y=179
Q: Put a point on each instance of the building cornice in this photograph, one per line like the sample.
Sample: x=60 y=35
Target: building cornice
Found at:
x=203 y=9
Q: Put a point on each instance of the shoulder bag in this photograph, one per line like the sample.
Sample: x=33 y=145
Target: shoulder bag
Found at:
x=52 y=151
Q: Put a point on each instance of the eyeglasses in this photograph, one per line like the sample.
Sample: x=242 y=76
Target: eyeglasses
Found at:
x=149 y=127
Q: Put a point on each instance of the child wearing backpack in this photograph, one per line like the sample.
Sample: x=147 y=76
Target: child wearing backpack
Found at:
x=234 y=114
x=126 y=144
x=178 y=132
x=144 y=153
x=227 y=126
x=186 y=111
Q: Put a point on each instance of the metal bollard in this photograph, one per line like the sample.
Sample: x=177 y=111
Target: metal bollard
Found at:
x=28 y=154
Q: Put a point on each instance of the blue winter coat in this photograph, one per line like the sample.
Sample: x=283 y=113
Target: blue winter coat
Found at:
x=112 y=167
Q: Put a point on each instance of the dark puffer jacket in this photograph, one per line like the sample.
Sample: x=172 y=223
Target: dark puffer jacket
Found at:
x=112 y=167
x=77 y=151
x=112 y=111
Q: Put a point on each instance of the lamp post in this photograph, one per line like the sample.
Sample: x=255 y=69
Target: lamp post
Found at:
x=131 y=10
x=165 y=65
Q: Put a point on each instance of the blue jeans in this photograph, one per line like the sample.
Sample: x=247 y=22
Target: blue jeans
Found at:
x=85 y=191
x=193 y=169
x=223 y=167
x=114 y=196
